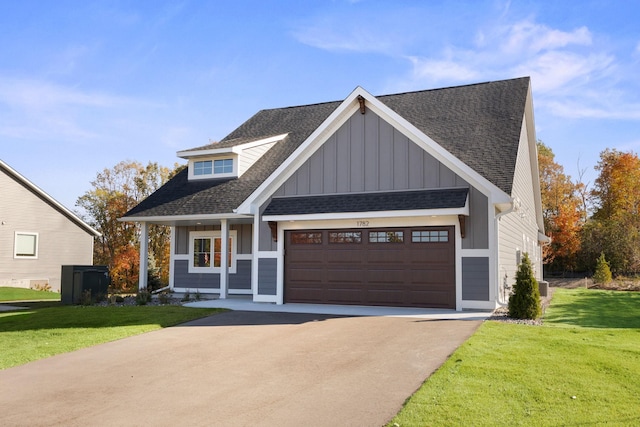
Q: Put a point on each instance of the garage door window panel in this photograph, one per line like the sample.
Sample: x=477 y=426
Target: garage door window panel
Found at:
x=386 y=236
x=430 y=236
x=345 y=237
x=306 y=238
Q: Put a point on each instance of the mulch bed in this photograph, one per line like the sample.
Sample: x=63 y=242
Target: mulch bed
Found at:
x=502 y=314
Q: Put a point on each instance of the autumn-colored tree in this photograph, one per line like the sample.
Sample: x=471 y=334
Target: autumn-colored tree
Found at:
x=614 y=228
x=616 y=191
x=124 y=268
x=116 y=191
x=562 y=211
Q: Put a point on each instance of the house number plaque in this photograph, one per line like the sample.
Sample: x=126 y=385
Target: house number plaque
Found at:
x=362 y=223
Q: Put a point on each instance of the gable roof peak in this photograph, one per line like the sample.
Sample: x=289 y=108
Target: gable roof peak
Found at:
x=21 y=179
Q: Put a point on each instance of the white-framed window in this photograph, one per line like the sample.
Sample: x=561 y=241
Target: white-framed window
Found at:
x=204 y=167
x=222 y=166
x=213 y=168
x=205 y=251
x=25 y=245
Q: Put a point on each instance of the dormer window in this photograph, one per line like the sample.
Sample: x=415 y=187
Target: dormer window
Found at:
x=227 y=159
x=222 y=166
x=202 y=168
x=212 y=168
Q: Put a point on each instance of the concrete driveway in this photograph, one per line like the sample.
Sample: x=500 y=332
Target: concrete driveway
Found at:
x=237 y=369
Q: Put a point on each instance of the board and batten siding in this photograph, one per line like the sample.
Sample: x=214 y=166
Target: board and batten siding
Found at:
x=368 y=154
x=61 y=241
x=518 y=230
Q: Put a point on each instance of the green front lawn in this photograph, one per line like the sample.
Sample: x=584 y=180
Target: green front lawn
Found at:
x=35 y=333
x=582 y=367
x=22 y=294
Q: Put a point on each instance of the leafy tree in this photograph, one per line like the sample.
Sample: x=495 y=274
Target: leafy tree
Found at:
x=124 y=268
x=603 y=273
x=115 y=191
x=524 y=303
x=614 y=228
x=562 y=211
x=616 y=192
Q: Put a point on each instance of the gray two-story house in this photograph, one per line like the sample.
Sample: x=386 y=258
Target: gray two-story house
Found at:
x=38 y=235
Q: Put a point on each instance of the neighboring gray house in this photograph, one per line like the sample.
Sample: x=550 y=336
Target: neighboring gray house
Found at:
x=37 y=234
x=424 y=199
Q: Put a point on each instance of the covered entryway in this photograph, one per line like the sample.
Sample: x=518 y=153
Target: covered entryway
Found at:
x=409 y=267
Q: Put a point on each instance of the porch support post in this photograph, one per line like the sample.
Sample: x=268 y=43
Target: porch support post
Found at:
x=224 y=258
x=144 y=255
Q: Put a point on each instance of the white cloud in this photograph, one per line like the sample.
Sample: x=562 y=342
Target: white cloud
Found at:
x=357 y=35
x=40 y=110
x=435 y=70
x=563 y=70
x=571 y=78
x=36 y=94
x=592 y=109
x=350 y=40
x=526 y=36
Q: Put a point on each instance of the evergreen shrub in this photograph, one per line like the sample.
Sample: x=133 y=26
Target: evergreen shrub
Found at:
x=524 y=303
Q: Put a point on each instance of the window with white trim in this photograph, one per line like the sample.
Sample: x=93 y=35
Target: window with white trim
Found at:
x=25 y=245
x=205 y=251
x=204 y=167
x=213 y=168
x=222 y=166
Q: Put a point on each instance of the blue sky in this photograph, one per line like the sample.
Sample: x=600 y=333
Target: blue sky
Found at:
x=86 y=84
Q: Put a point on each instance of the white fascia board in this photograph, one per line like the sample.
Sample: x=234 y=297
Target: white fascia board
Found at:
x=340 y=115
x=359 y=215
x=533 y=156
x=186 y=154
x=75 y=218
x=178 y=218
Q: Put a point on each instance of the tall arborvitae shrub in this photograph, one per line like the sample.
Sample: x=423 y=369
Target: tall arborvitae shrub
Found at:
x=603 y=272
x=524 y=303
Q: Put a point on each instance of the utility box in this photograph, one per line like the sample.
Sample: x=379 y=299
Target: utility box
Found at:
x=543 y=287
x=77 y=279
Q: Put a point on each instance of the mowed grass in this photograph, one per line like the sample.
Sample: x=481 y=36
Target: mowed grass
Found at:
x=582 y=367
x=22 y=294
x=35 y=333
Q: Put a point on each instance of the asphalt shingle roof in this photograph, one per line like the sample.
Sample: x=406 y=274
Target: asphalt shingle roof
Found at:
x=480 y=124
x=368 y=202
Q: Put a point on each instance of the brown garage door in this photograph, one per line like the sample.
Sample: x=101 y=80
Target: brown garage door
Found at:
x=412 y=267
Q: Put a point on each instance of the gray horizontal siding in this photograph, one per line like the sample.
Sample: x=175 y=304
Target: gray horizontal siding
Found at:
x=60 y=240
x=241 y=280
x=184 y=279
x=267 y=275
x=475 y=278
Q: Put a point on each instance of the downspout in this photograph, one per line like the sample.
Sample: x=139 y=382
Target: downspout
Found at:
x=514 y=207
